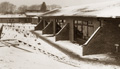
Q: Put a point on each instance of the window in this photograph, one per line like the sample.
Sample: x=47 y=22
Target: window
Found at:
x=86 y=27
x=85 y=23
x=90 y=23
x=79 y=22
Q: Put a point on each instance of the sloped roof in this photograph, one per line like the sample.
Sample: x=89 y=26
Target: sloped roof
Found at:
x=33 y=13
x=12 y=16
x=35 y=17
x=105 y=9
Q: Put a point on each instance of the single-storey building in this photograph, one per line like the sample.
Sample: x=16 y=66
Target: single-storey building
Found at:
x=33 y=15
x=94 y=26
x=34 y=20
x=14 y=18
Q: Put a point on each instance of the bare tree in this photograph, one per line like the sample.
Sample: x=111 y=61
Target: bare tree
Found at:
x=6 y=7
x=22 y=9
x=11 y=8
x=34 y=7
x=54 y=6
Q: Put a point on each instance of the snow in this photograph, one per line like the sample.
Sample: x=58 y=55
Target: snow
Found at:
x=105 y=9
x=12 y=16
x=13 y=58
x=30 y=39
x=74 y=48
x=20 y=50
x=33 y=13
x=35 y=17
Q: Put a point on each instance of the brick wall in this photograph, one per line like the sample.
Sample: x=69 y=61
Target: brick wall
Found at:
x=105 y=39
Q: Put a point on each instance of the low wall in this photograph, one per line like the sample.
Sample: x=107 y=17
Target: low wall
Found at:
x=48 y=29
x=104 y=40
x=39 y=26
x=63 y=34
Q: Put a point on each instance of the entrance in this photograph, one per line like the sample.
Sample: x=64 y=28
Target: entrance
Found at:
x=59 y=24
x=82 y=31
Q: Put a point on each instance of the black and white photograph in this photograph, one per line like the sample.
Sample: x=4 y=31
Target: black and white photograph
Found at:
x=59 y=34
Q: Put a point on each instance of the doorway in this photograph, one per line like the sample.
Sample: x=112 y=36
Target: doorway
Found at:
x=59 y=24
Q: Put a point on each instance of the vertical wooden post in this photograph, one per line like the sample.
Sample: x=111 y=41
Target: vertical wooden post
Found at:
x=44 y=23
x=87 y=30
x=82 y=26
x=71 y=29
x=54 y=25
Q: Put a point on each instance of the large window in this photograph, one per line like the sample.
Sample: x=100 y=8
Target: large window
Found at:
x=83 y=29
x=59 y=24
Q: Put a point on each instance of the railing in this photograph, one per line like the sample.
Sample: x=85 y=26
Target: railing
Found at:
x=62 y=29
x=46 y=26
x=92 y=36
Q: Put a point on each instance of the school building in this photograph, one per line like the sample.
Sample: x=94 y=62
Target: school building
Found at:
x=94 y=27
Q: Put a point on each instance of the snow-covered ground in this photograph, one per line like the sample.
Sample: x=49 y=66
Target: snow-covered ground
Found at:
x=27 y=40
x=22 y=49
x=22 y=34
x=73 y=47
x=14 y=58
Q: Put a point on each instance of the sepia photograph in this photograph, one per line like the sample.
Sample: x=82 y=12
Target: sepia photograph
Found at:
x=59 y=34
